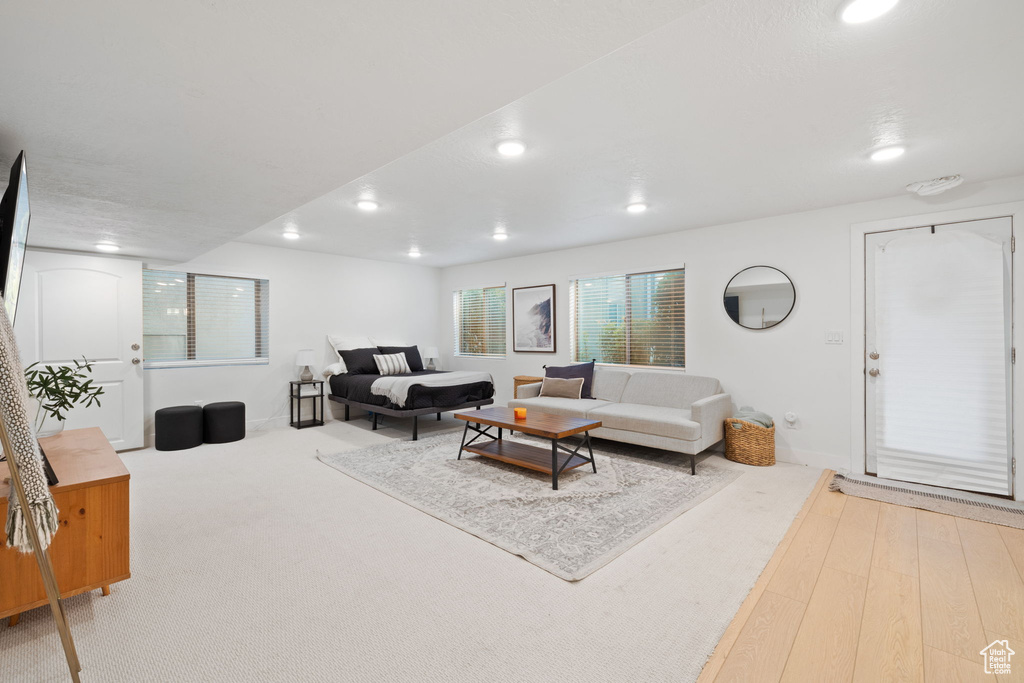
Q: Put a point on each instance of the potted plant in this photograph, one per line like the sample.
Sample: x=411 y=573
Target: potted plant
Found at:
x=58 y=389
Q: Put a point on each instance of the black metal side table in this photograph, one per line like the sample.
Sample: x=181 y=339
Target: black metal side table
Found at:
x=295 y=407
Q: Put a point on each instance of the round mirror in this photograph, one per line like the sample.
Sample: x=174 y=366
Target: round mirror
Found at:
x=759 y=297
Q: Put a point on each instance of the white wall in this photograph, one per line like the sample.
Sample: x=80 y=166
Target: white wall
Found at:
x=786 y=368
x=311 y=295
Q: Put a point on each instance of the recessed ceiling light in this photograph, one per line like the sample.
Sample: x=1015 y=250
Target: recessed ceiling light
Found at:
x=107 y=246
x=859 y=11
x=367 y=205
x=887 y=153
x=290 y=235
x=414 y=253
x=511 y=148
x=636 y=207
x=501 y=236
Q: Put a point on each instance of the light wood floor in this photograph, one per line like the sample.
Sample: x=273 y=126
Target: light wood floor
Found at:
x=865 y=591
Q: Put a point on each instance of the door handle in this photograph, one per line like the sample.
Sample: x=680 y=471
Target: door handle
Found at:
x=135 y=361
x=873 y=355
x=135 y=347
x=874 y=372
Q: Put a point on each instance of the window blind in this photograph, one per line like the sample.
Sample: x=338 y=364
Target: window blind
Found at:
x=631 y=319
x=197 y=319
x=479 y=316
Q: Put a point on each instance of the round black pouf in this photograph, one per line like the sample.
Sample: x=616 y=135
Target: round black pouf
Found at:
x=223 y=422
x=178 y=428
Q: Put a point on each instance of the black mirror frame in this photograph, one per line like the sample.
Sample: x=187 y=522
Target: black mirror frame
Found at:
x=759 y=329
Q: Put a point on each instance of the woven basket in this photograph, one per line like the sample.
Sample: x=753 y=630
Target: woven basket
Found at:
x=749 y=443
x=520 y=380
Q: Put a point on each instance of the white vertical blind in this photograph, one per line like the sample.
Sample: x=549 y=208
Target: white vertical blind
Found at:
x=479 y=316
x=192 y=318
x=943 y=338
x=630 y=319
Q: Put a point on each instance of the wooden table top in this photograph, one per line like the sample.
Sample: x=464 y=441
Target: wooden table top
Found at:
x=79 y=457
x=536 y=423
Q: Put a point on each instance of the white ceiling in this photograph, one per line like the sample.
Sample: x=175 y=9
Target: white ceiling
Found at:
x=740 y=109
x=173 y=127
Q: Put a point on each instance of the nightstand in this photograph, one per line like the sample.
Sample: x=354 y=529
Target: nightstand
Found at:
x=297 y=395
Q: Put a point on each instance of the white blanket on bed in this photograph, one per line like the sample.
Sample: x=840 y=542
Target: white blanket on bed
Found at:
x=396 y=387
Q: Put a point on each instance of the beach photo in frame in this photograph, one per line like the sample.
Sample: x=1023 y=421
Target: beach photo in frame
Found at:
x=533 y=319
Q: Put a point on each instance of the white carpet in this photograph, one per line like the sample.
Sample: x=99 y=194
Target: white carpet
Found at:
x=253 y=562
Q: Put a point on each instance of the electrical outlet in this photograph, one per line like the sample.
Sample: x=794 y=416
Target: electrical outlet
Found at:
x=792 y=420
x=833 y=336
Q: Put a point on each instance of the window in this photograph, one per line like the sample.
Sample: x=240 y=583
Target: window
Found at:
x=480 y=322
x=635 y=319
x=193 y=319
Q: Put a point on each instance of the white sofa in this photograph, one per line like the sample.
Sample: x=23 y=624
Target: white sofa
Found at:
x=674 y=411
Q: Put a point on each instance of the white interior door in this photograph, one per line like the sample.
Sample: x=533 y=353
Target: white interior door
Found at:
x=938 y=351
x=75 y=305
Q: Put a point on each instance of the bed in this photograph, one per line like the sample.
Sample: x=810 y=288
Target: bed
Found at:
x=361 y=386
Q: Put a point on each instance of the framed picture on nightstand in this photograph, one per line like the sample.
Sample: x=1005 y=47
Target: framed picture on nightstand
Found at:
x=533 y=319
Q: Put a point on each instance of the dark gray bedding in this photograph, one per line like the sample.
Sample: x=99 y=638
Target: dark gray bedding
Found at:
x=357 y=388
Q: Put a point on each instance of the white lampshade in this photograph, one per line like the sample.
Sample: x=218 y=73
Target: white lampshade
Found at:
x=431 y=352
x=304 y=357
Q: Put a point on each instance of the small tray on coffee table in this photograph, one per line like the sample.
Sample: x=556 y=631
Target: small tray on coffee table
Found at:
x=545 y=425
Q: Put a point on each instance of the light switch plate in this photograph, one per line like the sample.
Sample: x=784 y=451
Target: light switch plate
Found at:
x=833 y=336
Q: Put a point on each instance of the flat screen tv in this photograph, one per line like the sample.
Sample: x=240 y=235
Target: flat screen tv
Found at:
x=14 y=217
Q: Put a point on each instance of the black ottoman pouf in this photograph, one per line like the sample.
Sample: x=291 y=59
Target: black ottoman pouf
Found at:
x=179 y=427
x=223 y=422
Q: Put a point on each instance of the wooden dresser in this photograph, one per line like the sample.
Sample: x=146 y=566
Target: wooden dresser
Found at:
x=90 y=550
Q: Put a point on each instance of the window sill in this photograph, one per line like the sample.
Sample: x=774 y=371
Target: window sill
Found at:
x=671 y=368
x=166 y=364
x=468 y=355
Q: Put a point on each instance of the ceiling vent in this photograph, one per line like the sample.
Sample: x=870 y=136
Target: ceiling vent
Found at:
x=927 y=188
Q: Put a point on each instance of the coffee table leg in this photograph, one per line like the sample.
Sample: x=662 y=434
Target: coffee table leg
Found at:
x=461 y=445
x=593 y=463
x=554 y=464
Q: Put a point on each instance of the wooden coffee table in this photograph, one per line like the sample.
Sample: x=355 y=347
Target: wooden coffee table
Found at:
x=545 y=425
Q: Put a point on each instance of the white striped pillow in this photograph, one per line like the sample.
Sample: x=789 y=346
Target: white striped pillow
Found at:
x=392 y=363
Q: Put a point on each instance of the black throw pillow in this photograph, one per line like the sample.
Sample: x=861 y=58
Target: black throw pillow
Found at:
x=360 y=361
x=584 y=370
x=412 y=355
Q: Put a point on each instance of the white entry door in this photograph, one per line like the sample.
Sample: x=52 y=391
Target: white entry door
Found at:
x=75 y=305
x=939 y=340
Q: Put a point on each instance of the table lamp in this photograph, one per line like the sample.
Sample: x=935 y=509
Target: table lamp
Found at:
x=431 y=354
x=303 y=359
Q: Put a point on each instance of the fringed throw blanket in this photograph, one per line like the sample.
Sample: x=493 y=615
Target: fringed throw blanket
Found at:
x=396 y=387
x=14 y=402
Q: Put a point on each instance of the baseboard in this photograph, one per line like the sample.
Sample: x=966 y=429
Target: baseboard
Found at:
x=825 y=461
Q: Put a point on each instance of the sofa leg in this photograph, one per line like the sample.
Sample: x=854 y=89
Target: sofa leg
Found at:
x=693 y=464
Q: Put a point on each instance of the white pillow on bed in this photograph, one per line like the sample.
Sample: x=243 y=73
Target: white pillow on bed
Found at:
x=335 y=369
x=392 y=364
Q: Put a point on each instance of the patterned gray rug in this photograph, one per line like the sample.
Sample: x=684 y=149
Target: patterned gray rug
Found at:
x=572 y=532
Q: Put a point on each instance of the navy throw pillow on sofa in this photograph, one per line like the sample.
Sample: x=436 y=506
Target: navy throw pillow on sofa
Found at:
x=584 y=370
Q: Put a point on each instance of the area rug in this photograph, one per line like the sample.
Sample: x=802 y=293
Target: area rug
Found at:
x=933 y=499
x=572 y=532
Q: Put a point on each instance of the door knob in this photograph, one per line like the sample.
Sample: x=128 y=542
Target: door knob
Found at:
x=873 y=372
x=135 y=361
x=873 y=355
x=135 y=347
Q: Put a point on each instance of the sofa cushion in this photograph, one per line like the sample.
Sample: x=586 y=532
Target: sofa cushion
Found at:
x=567 y=407
x=674 y=423
x=608 y=384
x=668 y=389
